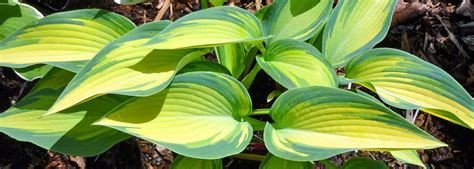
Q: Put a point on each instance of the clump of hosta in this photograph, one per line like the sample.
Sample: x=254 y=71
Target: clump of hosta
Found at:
x=103 y=80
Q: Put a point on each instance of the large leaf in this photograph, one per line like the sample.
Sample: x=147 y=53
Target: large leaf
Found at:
x=315 y=123
x=210 y=27
x=69 y=131
x=296 y=19
x=199 y=115
x=363 y=163
x=405 y=81
x=408 y=156
x=296 y=64
x=182 y=162
x=122 y=68
x=15 y=16
x=354 y=27
x=232 y=56
x=274 y=162
x=67 y=40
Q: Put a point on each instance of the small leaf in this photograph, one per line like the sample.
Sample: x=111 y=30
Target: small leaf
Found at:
x=355 y=26
x=296 y=19
x=69 y=131
x=122 y=68
x=296 y=64
x=182 y=162
x=15 y=16
x=232 y=56
x=66 y=40
x=31 y=73
x=274 y=162
x=199 y=115
x=407 y=82
x=273 y=95
x=363 y=163
x=315 y=123
x=204 y=66
x=408 y=156
x=210 y=27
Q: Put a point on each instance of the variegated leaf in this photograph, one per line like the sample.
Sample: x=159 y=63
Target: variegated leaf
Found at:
x=123 y=68
x=355 y=26
x=296 y=19
x=296 y=64
x=69 y=131
x=210 y=27
x=405 y=81
x=315 y=123
x=200 y=115
x=66 y=40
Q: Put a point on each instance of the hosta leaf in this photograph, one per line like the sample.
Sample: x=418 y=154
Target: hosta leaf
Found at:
x=363 y=163
x=232 y=56
x=204 y=66
x=122 y=68
x=274 y=162
x=296 y=19
x=182 y=162
x=15 y=16
x=408 y=156
x=69 y=131
x=199 y=115
x=296 y=64
x=354 y=27
x=405 y=81
x=314 y=123
x=67 y=40
x=31 y=73
x=209 y=27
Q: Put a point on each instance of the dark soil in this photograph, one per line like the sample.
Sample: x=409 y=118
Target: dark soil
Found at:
x=423 y=35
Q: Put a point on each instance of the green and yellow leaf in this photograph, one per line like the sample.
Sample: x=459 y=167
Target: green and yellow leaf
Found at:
x=33 y=72
x=200 y=115
x=315 y=123
x=408 y=156
x=232 y=56
x=122 y=68
x=69 y=131
x=15 y=16
x=182 y=162
x=355 y=26
x=66 y=40
x=274 y=162
x=407 y=82
x=296 y=64
x=210 y=27
x=296 y=19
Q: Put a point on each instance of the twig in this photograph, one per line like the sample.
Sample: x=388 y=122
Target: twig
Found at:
x=163 y=10
x=453 y=38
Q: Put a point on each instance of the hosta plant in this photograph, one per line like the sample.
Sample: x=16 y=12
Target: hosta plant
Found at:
x=104 y=79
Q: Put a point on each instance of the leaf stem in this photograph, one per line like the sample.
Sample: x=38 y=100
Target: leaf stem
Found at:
x=261 y=47
x=248 y=79
x=204 y=4
x=260 y=112
x=246 y=156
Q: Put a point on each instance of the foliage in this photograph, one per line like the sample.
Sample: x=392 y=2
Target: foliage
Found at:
x=103 y=79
